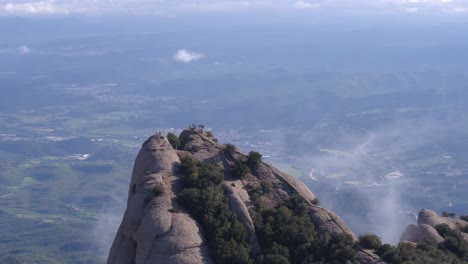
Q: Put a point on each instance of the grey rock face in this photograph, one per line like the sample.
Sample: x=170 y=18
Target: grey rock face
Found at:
x=431 y=218
x=154 y=228
x=367 y=257
x=424 y=230
x=329 y=222
x=422 y=233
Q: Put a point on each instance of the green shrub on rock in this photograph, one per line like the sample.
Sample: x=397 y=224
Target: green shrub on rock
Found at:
x=369 y=241
x=239 y=170
x=229 y=149
x=203 y=196
x=174 y=140
x=288 y=235
x=254 y=160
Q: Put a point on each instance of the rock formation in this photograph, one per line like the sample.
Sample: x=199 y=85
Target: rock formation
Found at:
x=150 y=229
x=157 y=229
x=367 y=257
x=424 y=230
x=422 y=233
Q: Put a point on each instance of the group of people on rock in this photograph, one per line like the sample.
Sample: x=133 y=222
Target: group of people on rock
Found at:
x=191 y=127
x=197 y=127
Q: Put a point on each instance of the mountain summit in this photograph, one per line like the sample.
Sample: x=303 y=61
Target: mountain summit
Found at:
x=192 y=200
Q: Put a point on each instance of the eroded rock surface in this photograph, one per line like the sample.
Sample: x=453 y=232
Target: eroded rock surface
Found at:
x=329 y=222
x=431 y=218
x=367 y=257
x=424 y=231
x=156 y=229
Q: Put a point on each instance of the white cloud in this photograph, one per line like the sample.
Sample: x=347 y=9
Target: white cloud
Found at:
x=185 y=56
x=23 y=50
x=35 y=8
x=305 y=5
x=176 y=7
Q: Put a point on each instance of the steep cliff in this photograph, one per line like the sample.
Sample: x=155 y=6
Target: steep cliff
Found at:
x=151 y=231
x=159 y=227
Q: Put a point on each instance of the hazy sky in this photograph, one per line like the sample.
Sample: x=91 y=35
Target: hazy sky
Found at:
x=175 y=7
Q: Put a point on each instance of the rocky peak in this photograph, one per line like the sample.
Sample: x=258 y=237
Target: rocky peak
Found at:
x=157 y=228
x=154 y=226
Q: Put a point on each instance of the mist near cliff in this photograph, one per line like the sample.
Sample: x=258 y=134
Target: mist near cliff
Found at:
x=378 y=179
x=105 y=227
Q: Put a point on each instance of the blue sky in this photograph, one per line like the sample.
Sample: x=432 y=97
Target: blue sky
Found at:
x=176 y=7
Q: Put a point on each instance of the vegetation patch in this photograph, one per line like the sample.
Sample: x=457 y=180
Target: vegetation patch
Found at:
x=174 y=140
x=448 y=214
x=287 y=235
x=229 y=149
x=203 y=196
x=453 y=250
x=464 y=229
x=369 y=241
x=254 y=160
x=454 y=241
x=43 y=176
x=93 y=168
x=239 y=169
